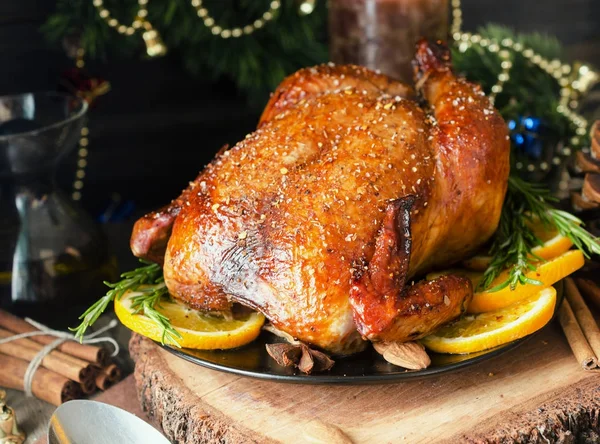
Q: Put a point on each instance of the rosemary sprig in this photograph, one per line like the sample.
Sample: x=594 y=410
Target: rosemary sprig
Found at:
x=572 y=227
x=514 y=239
x=145 y=303
x=513 y=242
x=148 y=280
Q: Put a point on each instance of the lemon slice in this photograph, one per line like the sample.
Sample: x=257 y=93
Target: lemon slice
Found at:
x=197 y=329
x=554 y=244
x=547 y=272
x=474 y=333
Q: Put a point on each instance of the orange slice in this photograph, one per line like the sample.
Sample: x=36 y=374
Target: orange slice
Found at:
x=474 y=333
x=554 y=244
x=197 y=329
x=553 y=247
x=547 y=272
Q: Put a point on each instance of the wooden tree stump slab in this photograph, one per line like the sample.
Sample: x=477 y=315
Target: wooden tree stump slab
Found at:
x=536 y=393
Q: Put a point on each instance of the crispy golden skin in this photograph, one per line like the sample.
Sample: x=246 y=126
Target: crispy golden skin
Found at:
x=349 y=188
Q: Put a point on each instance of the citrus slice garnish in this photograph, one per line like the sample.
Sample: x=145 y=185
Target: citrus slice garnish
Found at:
x=197 y=329
x=474 y=333
x=554 y=244
x=553 y=247
x=547 y=272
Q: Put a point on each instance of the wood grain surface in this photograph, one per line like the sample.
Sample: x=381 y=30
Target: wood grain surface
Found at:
x=535 y=393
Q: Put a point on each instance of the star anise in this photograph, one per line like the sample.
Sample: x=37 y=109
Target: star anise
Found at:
x=301 y=356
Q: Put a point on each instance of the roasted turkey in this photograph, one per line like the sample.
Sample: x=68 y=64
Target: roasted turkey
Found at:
x=353 y=185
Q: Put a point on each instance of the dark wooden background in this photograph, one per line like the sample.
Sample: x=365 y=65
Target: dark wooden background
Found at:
x=157 y=127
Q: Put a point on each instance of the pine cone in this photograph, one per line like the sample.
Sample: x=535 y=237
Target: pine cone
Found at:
x=589 y=197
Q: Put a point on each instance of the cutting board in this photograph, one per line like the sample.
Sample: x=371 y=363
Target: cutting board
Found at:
x=534 y=393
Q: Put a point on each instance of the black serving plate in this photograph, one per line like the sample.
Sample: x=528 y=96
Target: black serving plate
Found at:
x=367 y=367
x=361 y=368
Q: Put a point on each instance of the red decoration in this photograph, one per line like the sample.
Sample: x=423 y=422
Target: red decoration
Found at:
x=78 y=82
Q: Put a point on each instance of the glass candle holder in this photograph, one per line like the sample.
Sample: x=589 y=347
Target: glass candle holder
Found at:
x=53 y=257
x=381 y=34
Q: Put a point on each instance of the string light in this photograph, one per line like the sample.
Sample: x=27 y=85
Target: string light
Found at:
x=239 y=31
x=154 y=43
x=570 y=89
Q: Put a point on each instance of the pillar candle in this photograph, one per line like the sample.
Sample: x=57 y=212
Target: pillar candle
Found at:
x=381 y=34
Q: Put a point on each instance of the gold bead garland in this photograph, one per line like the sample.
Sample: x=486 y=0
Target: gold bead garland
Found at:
x=154 y=44
x=307 y=7
x=82 y=149
x=456 y=17
x=82 y=153
x=236 y=32
x=114 y=23
x=79 y=63
x=570 y=88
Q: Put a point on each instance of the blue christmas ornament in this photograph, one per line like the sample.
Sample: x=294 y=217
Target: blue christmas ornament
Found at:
x=533 y=146
x=526 y=135
x=531 y=123
x=519 y=139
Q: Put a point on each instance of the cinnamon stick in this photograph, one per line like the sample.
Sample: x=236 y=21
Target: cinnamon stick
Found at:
x=58 y=362
x=579 y=345
x=590 y=290
x=89 y=387
x=583 y=315
x=89 y=353
x=102 y=381
x=46 y=385
x=107 y=376
x=113 y=372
